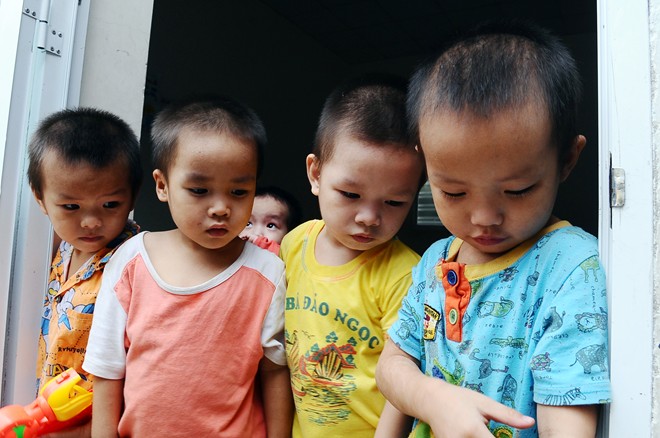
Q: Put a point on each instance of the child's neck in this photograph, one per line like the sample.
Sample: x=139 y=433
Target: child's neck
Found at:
x=78 y=259
x=468 y=255
x=192 y=265
x=330 y=252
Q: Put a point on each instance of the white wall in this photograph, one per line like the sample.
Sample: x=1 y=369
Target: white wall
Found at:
x=116 y=54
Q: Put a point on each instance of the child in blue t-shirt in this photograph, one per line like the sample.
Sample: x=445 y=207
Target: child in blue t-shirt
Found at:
x=511 y=310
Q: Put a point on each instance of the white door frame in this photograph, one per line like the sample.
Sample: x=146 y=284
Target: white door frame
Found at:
x=48 y=50
x=626 y=233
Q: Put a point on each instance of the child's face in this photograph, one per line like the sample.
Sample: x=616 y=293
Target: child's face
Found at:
x=88 y=207
x=494 y=180
x=209 y=186
x=365 y=193
x=268 y=219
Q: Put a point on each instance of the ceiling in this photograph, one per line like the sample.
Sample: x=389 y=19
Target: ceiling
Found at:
x=360 y=31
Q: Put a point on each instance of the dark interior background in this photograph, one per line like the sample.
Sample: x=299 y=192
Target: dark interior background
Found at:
x=283 y=57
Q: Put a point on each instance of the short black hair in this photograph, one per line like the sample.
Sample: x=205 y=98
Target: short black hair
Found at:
x=84 y=135
x=216 y=113
x=370 y=108
x=499 y=66
x=294 y=217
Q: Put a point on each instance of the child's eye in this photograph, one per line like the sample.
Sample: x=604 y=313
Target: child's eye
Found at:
x=395 y=203
x=350 y=195
x=453 y=195
x=111 y=204
x=239 y=192
x=519 y=193
x=70 y=206
x=198 y=191
x=272 y=226
x=249 y=225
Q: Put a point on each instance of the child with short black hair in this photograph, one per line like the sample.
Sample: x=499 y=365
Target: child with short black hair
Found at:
x=347 y=273
x=275 y=212
x=85 y=173
x=498 y=311
x=192 y=318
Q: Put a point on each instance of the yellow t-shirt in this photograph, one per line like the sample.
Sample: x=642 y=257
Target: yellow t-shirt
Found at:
x=336 y=319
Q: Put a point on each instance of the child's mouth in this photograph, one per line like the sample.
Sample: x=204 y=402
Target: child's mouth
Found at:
x=362 y=238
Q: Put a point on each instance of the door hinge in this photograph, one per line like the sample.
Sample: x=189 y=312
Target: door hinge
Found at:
x=47 y=36
x=617 y=187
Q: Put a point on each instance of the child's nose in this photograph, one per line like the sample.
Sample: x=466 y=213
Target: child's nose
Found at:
x=487 y=214
x=219 y=208
x=91 y=221
x=368 y=216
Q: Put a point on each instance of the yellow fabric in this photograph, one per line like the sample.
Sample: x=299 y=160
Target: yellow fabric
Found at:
x=336 y=320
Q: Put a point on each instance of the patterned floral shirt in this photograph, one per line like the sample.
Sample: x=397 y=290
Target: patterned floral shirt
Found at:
x=67 y=310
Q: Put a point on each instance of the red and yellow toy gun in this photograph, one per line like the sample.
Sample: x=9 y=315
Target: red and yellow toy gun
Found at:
x=61 y=404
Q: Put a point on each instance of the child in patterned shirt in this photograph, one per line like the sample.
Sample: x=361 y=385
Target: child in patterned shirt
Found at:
x=494 y=313
x=84 y=171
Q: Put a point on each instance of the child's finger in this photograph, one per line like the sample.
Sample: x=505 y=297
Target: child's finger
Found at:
x=506 y=415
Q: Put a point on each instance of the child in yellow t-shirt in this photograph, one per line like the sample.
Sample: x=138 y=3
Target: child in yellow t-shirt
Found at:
x=347 y=273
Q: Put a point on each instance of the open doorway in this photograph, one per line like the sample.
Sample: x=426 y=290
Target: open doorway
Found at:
x=283 y=58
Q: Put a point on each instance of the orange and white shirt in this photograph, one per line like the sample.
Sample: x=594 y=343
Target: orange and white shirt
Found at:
x=189 y=349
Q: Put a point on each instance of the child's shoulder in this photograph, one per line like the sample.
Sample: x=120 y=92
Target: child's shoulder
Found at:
x=399 y=252
x=303 y=232
x=570 y=241
x=261 y=260
x=438 y=250
x=312 y=226
x=129 y=247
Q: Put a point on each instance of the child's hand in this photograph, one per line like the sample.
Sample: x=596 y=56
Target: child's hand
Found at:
x=461 y=412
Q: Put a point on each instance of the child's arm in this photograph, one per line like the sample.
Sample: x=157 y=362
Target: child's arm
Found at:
x=450 y=410
x=107 y=406
x=277 y=398
x=563 y=421
x=393 y=423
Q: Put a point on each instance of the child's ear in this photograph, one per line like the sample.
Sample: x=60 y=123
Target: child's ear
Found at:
x=572 y=155
x=161 y=185
x=313 y=172
x=38 y=198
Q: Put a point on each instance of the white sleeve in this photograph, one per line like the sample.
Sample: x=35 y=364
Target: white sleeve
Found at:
x=272 y=332
x=106 y=354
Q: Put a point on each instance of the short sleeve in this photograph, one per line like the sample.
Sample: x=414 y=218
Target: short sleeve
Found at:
x=392 y=299
x=106 y=352
x=407 y=329
x=272 y=333
x=570 y=363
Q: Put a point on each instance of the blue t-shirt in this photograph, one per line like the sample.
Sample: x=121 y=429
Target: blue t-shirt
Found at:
x=528 y=327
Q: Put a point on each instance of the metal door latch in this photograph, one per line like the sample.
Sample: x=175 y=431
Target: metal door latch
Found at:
x=617 y=187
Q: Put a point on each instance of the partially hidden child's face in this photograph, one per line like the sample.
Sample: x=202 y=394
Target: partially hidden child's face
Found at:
x=494 y=180
x=364 y=191
x=87 y=206
x=268 y=219
x=210 y=186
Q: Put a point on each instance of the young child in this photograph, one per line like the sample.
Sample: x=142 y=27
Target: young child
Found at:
x=188 y=330
x=84 y=171
x=347 y=273
x=512 y=308
x=274 y=213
